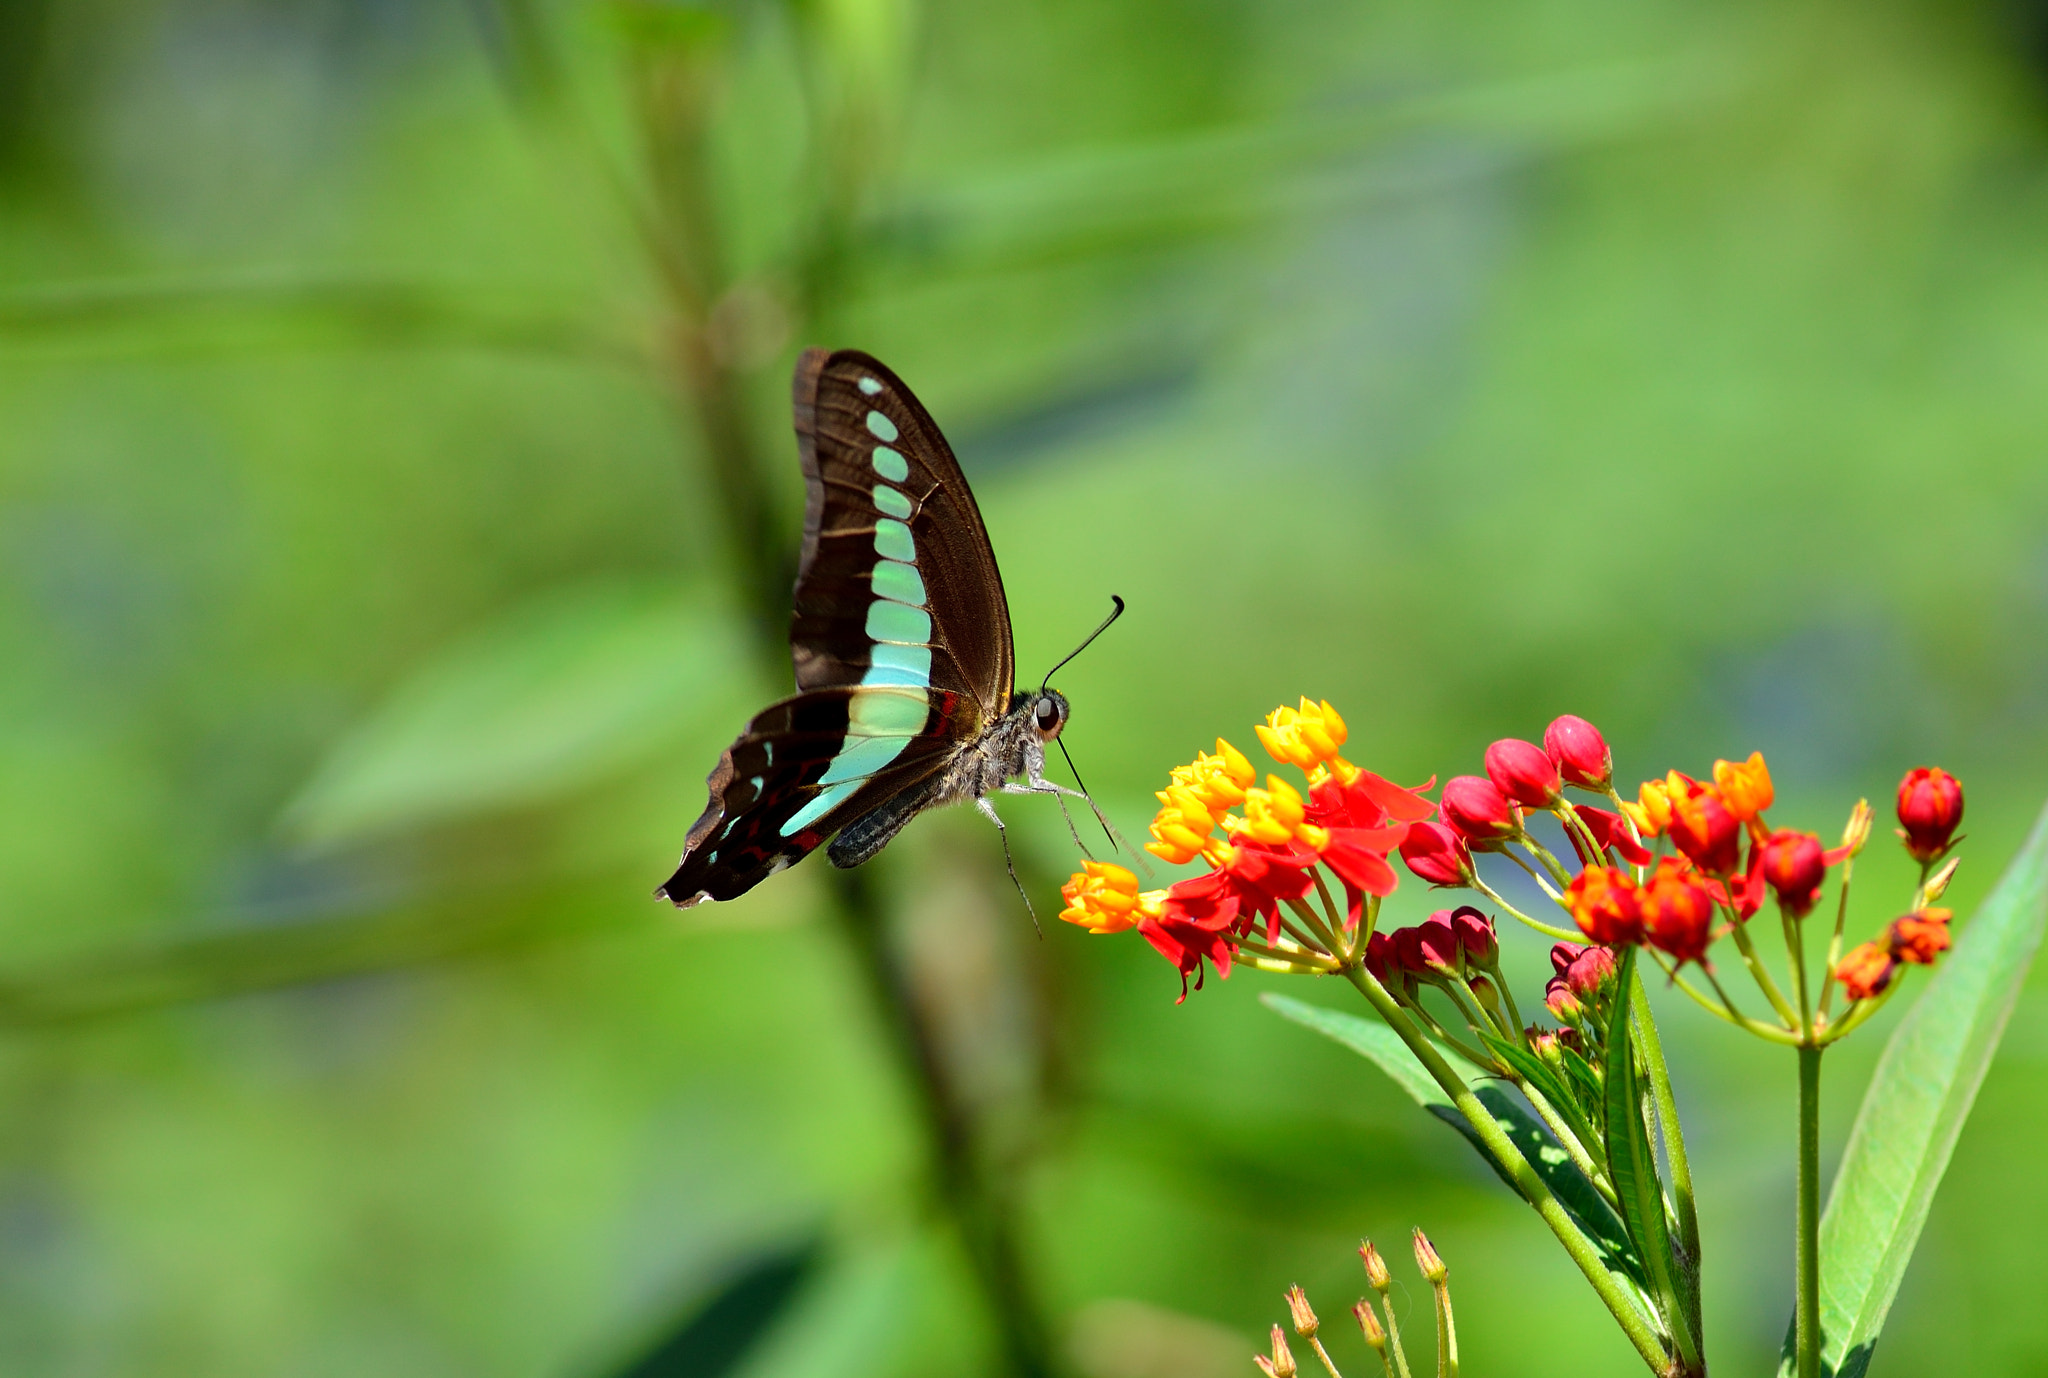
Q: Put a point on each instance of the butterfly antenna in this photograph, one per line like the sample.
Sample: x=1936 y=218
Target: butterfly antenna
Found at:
x=1116 y=839
x=1113 y=616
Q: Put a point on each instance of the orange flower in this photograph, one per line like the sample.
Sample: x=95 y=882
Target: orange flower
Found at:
x=1702 y=826
x=1745 y=788
x=1678 y=911
x=1103 y=897
x=1651 y=813
x=1919 y=937
x=1603 y=899
x=1865 y=971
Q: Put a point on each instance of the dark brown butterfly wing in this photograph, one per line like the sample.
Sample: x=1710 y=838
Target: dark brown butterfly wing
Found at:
x=898 y=583
x=901 y=638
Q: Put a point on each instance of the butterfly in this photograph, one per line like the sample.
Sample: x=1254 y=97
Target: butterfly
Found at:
x=901 y=641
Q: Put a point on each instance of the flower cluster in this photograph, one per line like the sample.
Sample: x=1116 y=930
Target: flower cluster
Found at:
x=1383 y=1337
x=1266 y=847
x=1685 y=863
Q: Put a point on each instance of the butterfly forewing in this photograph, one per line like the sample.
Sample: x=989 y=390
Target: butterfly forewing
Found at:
x=898 y=584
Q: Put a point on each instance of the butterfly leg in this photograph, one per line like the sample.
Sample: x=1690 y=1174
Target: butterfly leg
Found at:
x=989 y=811
x=1035 y=783
x=1044 y=786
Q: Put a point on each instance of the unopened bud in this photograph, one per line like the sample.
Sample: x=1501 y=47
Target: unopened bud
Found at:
x=1938 y=882
x=1282 y=1364
x=1305 y=1322
x=1857 y=831
x=1489 y=998
x=1375 y=1267
x=1426 y=1259
x=1369 y=1325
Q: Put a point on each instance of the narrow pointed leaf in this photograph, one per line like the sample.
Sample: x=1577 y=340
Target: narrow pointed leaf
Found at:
x=1632 y=1159
x=1383 y=1047
x=1918 y=1099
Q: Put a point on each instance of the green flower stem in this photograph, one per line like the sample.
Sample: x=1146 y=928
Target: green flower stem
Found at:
x=1338 y=917
x=1807 y=1316
x=1762 y=974
x=1547 y=930
x=1312 y=943
x=1444 y=1036
x=1446 y=1333
x=1573 y=1145
x=1324 y=939
x=1795 y=948
x=1394 y=1339
x=1507 y=993
x=1324 y=1355
x=1462 y=995
x=1281 y=960
x=1638 y=1327
x=1542 y=854
x=1827 y=977
x=1860 y=1011
x=1629 y=823
x=1771 y=1032
x=1651 y=1045
x=1544 y=885
x=1569 y=816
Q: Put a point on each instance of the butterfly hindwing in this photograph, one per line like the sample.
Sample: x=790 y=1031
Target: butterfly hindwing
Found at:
x=803 y=769
x=898 y=584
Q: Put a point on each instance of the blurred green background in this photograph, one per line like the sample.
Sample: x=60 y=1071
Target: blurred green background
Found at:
x=395 y=482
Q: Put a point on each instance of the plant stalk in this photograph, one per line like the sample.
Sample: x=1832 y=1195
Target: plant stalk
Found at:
x=1634 y=1324
x=1807 y=1340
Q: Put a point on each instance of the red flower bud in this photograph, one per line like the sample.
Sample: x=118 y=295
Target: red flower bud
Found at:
x=1603 y=900
x=1930 y=807
x=1591 y=974
x=1561 y=955
x=1919 y=937
x=1865 y=971
x=1795 y=866
x=1438 y=943
x=1579 y=752
x=1475 y=935
x=1559 y=1000
x=1380 y=958
x=1407 y=951
x=1523 y=773
x=1436 y=853
x=1480 y=813
x=1678 y=911
x=1704 y=829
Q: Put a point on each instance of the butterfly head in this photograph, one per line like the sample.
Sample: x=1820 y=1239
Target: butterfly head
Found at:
x=1049 y=714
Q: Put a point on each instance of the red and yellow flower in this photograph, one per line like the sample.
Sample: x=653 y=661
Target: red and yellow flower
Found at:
x=1266 y=857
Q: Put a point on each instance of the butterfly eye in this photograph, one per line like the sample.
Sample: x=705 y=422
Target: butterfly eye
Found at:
x=1047 y=715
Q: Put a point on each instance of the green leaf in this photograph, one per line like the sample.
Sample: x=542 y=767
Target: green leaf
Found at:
x=1918 y=1099
x=1383 y=1047
x=1632 y=1161
x=552 y=698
